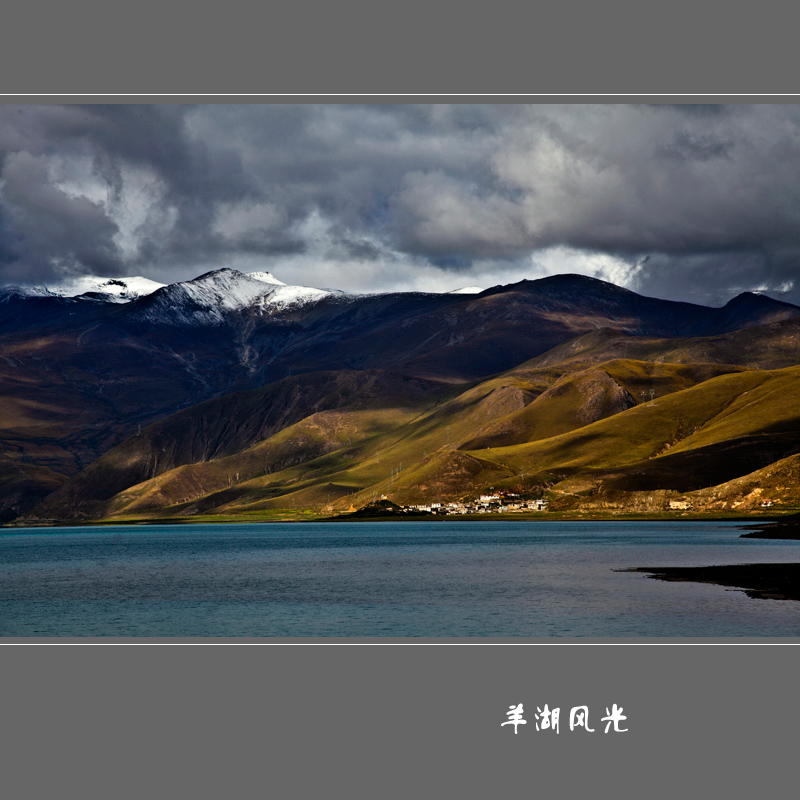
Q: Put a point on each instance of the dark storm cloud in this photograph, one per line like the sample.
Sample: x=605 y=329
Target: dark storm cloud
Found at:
x=379 y=193
x=50 y=227
x=696 y=147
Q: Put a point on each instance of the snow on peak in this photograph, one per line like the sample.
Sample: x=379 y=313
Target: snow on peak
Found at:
x=16 y=292
x=266 y=277
x=467 y=290
x=208 y=299
x=285 y=296
x=114 y=290
x=225 y=289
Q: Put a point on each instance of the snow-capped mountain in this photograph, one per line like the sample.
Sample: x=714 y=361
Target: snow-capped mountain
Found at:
x=113 y=290
x=211 y=298
x=212 y=294
x=203 y=300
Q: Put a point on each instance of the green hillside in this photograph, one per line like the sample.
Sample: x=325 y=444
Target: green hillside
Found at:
x=570 y=435
x=582 y=429
x=720 y=429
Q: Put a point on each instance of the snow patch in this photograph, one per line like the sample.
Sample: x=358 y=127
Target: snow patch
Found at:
x=285 y=296
x=467 y=290
x=266 y=277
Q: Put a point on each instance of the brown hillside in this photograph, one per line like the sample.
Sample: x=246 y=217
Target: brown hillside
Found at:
x=227 y=426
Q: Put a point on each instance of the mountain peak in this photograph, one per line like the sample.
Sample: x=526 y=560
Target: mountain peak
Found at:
x=212 y=296
x=757 y=300
x=565 y=283
x=112 y=290
x=219 y=290
x=574 y=280
x=753 y=308
x=221 y=273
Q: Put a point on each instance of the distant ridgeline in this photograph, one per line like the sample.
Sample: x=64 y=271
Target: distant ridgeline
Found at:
x=237 y=394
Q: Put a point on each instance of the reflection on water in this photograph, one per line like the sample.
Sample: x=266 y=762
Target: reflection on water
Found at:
x=382 y=579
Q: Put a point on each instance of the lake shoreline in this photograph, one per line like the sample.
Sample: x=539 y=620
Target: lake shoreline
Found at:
x=762 y=525
x=788 y=528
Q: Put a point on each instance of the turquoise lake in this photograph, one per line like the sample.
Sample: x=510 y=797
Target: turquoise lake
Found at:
x=393 y=579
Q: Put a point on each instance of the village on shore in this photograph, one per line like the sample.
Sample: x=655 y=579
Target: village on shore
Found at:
x=509 y=502
x=500 y=503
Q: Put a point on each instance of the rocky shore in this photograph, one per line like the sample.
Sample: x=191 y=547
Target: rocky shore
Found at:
x=788 y=528
x=763 y=581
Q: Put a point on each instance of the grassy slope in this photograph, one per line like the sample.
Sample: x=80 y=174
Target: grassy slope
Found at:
x=411 y=458
x=321 y=433
x=668 y=439
x=587 y=395
x=228 y=426
x=386 y=439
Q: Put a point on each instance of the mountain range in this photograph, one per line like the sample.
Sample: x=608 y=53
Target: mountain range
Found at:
x=236 y=394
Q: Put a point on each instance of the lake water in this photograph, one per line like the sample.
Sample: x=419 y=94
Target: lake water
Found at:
x=398 y=579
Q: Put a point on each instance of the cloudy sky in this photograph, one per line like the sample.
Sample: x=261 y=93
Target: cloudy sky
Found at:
x=685 y=202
